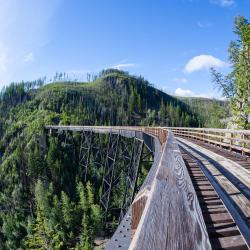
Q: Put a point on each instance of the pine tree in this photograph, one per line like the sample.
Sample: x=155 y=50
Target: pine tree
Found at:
x=35 y=161
x=67 y=211
x=85 y=242
x=39 y=238
x=94 y=210
x=236 y=85
x=83 y=205
x=84 y=208
x=131 y=103
x=42 y=233
x=139 y=103
x=162 y=113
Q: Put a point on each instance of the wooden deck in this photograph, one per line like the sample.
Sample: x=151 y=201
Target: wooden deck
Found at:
x=229 y=207
x=222 y=229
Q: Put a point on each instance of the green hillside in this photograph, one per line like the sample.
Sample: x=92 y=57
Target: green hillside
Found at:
x=44 y=204
x=115 y=98
x=212 y=113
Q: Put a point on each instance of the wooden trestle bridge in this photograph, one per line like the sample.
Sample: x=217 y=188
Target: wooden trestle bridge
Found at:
x=195 y=196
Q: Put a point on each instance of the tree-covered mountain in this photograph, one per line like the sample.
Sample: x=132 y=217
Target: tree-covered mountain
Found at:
x=212 y=113
x=43 y=202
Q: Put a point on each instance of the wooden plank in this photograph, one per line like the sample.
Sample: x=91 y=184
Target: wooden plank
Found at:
x=206 y=202
x=215 y=210
x=204 y=188
x=218 y=218
x=172 y=218
x=229 y=243
x=206 y=193
x=223 y=230
x=138 y=208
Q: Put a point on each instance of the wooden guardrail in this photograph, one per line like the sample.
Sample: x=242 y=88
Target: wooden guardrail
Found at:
x=233 y=140
x=167 y=215
x=159 y=132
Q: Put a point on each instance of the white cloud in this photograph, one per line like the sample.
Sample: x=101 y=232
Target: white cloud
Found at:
x=29 y=57
x=183 y=92
x=223 y=3
x=190 y=93
x=123 y=66
x=180 y=80
x=203 y=62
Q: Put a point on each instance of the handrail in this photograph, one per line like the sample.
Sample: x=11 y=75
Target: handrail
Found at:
x=233 y=140
x=239 y=131
x=171 y=217
x=155 y=131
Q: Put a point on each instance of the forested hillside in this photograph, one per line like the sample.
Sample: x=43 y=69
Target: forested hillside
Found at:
x=44 y=204
x=211 y=113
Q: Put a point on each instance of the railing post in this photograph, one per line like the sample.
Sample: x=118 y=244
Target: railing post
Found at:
x=230 y=141
x=138 y=208
x=243 y=145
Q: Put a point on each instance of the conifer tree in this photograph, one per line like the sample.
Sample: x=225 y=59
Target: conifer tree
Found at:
x=236 y=85
x=43 y=234
x=68 y=213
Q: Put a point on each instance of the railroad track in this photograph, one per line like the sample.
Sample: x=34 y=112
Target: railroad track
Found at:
x=243 y=160
x=224 y=204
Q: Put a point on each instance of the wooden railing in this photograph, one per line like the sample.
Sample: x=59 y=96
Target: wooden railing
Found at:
x=233 y=140
x=167 y=215
x=159 y=132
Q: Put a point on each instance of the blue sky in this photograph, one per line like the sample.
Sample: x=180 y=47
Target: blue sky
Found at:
x=172 y=43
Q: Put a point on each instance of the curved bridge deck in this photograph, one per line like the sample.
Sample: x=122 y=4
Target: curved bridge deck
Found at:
x=222 y=187
x=196 y=195
x=219 y=165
